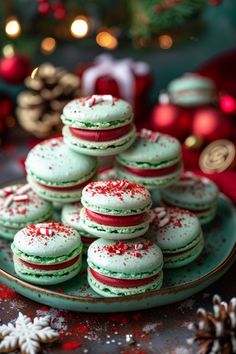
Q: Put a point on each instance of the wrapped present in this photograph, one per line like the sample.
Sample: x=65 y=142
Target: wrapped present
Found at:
x=124 y=78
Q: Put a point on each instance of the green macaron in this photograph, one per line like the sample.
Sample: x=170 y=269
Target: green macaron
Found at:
x=70 y=215
x=57 y=173
x=19 y=207
x=115 y=209
x=195 y=193
x=47 y=253
x=192 y=90
x=154 y=160
x=124 y=268
x=98 y=125
x=179 y=235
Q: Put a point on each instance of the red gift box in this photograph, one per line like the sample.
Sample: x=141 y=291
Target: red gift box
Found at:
x=124 y=78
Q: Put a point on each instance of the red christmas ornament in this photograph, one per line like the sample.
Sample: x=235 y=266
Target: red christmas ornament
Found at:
x=228 y=103
x=211 y=124
x=171 y=119
x=15 y=68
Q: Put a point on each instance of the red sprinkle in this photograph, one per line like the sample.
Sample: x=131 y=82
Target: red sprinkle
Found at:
x=71 y=345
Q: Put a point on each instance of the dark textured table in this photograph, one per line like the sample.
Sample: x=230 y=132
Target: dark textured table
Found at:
x=160 y=330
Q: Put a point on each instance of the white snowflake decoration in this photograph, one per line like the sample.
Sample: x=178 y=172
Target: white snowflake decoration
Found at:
x=26 y=335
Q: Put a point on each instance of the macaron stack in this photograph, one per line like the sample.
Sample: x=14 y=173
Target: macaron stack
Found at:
x=107 y=219
x=120 y=262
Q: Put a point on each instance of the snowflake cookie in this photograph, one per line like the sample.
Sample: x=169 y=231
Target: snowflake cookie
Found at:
x=26 y=335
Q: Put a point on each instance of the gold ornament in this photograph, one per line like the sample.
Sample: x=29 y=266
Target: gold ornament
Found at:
x=218 y=156
x=193 y=142
x=49 y=90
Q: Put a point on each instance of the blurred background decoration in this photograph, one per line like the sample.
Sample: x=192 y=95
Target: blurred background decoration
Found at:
x=55 y=50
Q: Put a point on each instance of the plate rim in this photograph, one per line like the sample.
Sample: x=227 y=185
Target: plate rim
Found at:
x=163 y=291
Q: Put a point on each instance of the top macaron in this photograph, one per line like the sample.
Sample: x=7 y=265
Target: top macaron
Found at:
x=98 y=125
x=192 y=90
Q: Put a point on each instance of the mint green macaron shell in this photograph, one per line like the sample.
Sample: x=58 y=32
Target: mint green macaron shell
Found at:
x=20 y=214
x=54 y=164
x=150 y=182
x=103 y=115
x=192 y=197
x=145 y=154
x=113 y=198
x=179 y=236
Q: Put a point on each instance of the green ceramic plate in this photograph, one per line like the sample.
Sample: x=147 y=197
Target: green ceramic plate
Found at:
x=217 y=257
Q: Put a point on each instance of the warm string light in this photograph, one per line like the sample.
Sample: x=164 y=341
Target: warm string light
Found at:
x=106 y=40
x=48 y=45
x=79 y=27
x=13 y=27
x=8 y=51
x=165 y=41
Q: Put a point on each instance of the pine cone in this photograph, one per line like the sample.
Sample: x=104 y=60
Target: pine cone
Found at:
x=216 y=332
x=39 y=108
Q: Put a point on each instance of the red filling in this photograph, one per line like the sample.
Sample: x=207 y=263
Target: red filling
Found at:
x=51 y=266
x=122 y=283
x=88 y=240
x=70 y=188
x=111 y=220
x=173 y=254
x=150 y=172
x=101 y=135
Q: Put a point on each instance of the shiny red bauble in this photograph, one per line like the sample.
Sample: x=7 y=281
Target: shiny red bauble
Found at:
x=211 y=124
x=15 y=69
x=171 y=119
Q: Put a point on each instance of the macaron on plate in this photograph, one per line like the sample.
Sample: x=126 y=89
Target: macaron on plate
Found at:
x=70 y=215
x=75 y=294
x=154 y=160
x=195 y=193
x=47 y=253
x=19 y=207
x=179 y=235
x=57 y=173
x=98 y=125
x=115 y=209
x=124 y=268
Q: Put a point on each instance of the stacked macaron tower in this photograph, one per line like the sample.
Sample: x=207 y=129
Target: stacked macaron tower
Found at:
x=106 y=216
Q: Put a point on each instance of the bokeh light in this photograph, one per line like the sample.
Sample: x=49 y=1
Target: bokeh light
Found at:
x=79 y=27
x=106 y=40
x=48 y=45
x=13 y=27
x=165 y=41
